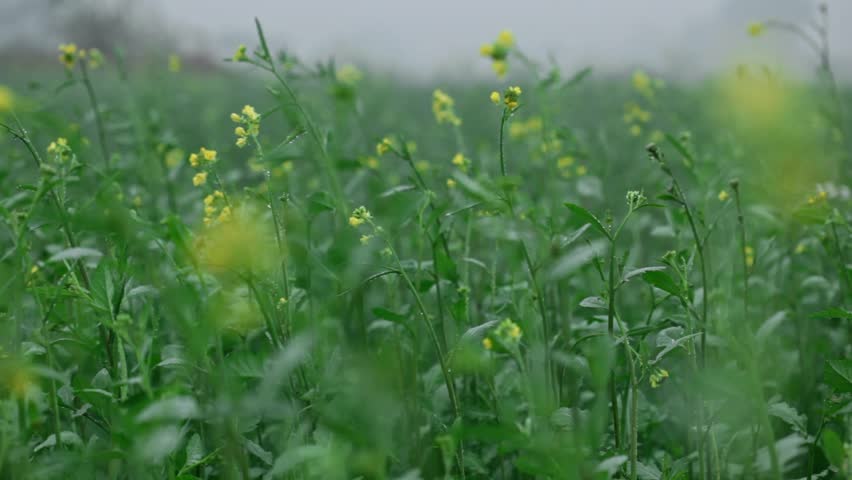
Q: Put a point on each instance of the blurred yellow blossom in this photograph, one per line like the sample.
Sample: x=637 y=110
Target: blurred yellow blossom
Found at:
x=174 y=63
x=442 y=107
x=7 y=99
x=199 y=179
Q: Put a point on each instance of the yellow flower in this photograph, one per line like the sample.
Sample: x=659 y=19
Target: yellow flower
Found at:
x=348 y=75
x=487 y=343
x=199 y=179
x=565 y=162
x=723 y=195
x=581 y=170
x=240 y=131
x=451 y=183
x=371 y=162
x=240 y=54
x=365 y=239
x=635 y=130
x=7 y=99
x=505 y=39
x=209 y=155
x=241 y=142
x=749 y=256
x=495 y=97
x=442 y=107
x=250 y=113
x=486 y=50
x=68 y=55
x=193 y=159
x=359 y=216
x=756 y=29
x=500 y=67
x=225 y=215
x=384 y=146
x=174 y=63
x=512 y=96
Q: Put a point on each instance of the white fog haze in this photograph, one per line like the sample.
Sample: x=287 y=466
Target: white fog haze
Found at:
x=685 y=39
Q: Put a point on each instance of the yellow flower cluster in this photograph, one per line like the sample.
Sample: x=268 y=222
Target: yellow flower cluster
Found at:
x=201 y=159
x=60 y=149
x=7 y=99
x=174 y=63
x=520 y=129
x=498 y=52
x=566 y=167
x=507 y=333
x=821 y=196
x=216 y=208
x=657 y=377
x=384 y=146
x=635 y=116
x=348 y=75
x=460 y=161
x=511 y=97
x=370 y=162
x=249 y=125
x=756 y=29
x=203 y=156
x=749 y=256
x=69 y=55
x=442 y=107
x=359 y=216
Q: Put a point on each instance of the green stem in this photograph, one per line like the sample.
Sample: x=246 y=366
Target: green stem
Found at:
x=99 y=124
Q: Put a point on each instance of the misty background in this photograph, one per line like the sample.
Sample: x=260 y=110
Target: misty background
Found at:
x=681 y=39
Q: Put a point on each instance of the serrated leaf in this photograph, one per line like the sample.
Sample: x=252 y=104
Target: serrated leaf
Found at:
x=587 y=217
x=787 y=413
x=838 y=374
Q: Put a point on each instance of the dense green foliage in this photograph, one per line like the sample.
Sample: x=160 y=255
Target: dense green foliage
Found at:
x=530 y=290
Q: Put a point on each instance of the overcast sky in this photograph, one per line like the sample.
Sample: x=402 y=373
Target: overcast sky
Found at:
x=681 y=37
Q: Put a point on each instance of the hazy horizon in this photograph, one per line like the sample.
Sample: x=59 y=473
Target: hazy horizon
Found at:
x=442 y=37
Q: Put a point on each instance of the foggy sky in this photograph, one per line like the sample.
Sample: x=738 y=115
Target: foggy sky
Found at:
x=685 y=38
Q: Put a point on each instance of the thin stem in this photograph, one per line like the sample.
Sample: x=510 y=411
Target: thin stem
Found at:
x=99 y=124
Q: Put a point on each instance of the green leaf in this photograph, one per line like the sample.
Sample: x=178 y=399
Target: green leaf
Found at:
x=75 y=253
x=838 y=374
x=789 y=414
x=173 y=408
x=640 y=271
x=832 y=313
x=319 y=202
x=833 y=448
x=662 y=280
x=588 y=217
x=389 y=315
x=65 y=437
